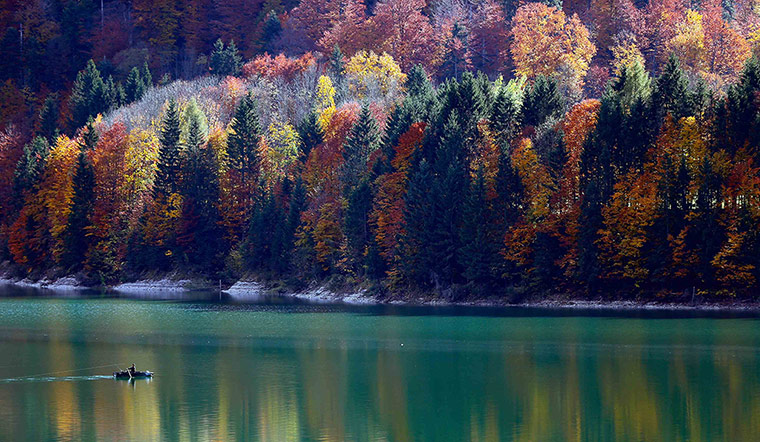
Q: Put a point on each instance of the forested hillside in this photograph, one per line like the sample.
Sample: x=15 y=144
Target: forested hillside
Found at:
x=460 y=147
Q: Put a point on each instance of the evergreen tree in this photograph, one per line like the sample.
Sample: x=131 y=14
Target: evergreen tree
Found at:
x=88 y=96
x=417 y=82
x=244 y=138
x=337 y=67
x=30 y=167
x=147 y=77
x=309 y=134
x=356 y=223
x=225 y=61
x=272 y=30
x=76 y=238
x=506 y=115
x=200 y=233
x=134 y=88
x=48 y=126
x=418 y=223
x=542 y=101
x=169 y=154
x=362 y=140
x=671 y=93
x=114 y=94
x=738 y=123
x=479 y=254
x=266 y=236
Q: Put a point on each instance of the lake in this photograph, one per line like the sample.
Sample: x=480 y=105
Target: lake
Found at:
x=281 y=371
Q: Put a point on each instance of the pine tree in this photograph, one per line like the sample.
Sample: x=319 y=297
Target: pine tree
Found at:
x=272 y=30
x=417 y=82
x=77 y=241
x=30 y=167
x=542 y=101
x=415 y=254
x=147 y=77
x=48 y=126
x=362 y=140
x=671 y=93
x=309 y=134
x=88 y=96
x=337 y=70
x=245 y=135
x=169 y=156
x=113 y=93
x=200 y=232
x=134 y=87
x=225 y=61
x=478 y=255
x=356 y=223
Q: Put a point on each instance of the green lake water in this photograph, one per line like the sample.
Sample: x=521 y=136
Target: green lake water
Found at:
x=284 y=371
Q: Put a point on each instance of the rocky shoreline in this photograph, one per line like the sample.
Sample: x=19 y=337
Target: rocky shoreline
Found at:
x=252 y=291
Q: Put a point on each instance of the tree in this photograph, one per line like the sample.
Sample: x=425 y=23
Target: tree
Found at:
x=88 y=96
x=542 y=102
x=272 y=30
x=225 y=61
x=77 y=240
x=167 y=176
x=369 y=73
x=546 y=41
x=488 y=37
x=362 y=141
x=30 y=167
x=400 y=29
x=48 y=122
x=244 y=137
x=347 y=27
x=199 y=234
x=135 y=87
x=310 y=134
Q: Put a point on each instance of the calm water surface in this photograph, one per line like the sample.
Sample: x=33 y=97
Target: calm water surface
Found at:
x=278 y=372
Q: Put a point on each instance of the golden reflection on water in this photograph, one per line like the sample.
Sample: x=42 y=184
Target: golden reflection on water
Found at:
x=330 y=390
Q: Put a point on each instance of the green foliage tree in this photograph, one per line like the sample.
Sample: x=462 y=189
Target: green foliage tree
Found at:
x=77 y=241
x=169 y=157
x=245 y=135
x=88 y=96
x=225 y=61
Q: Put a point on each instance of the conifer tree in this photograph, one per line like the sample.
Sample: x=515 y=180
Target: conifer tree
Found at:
x=272 y=30
x=48 y=127
x=245 y=135
x=356 y=222
x=88 y=96
x=478 y=255
x=30 y=167
x=170 y=151
x=147 y=77
x=76 y=238
x=200 y=232
x=671 y=92
x=134 y=87
x=362 y=140
x=309 y=134
x=542 y=101
x=225 y=61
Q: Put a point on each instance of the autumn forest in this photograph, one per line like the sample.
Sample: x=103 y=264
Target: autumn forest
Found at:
x=457 y=148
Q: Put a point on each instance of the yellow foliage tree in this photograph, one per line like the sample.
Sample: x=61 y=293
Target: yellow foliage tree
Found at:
x=325 y=106
x=367 y=69
x=546 y=42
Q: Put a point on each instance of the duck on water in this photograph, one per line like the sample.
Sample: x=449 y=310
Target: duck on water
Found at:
x=132 y=373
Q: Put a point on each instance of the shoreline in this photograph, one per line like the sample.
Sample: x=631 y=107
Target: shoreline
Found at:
x=252 y=291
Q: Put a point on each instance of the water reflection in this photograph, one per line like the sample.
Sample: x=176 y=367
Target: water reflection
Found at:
x=234 y=375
